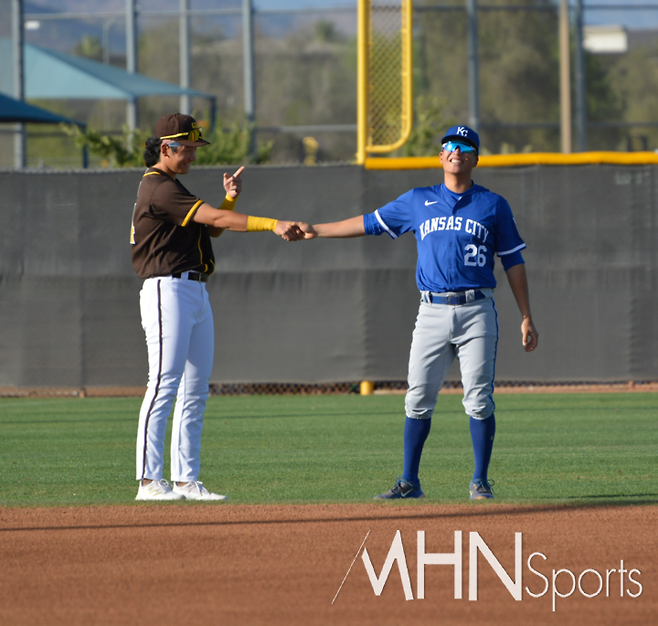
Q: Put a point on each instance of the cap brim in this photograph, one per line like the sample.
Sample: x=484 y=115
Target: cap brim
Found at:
x=193 y=144
x=460 y=138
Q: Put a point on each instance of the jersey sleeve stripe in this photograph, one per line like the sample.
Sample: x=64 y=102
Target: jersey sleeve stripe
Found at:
x=384 y=226
x=191 y=213
x=512 y=251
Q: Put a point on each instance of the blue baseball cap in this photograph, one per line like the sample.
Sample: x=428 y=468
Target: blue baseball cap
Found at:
x=462 y=133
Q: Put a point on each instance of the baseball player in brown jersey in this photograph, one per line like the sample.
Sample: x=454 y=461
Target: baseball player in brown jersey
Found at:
x=172 y=252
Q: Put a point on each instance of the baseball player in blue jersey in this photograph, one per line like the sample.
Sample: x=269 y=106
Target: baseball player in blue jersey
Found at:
x=460 y=228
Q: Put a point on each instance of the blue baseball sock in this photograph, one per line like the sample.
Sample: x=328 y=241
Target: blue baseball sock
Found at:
x=415 y=434
x=482 y=435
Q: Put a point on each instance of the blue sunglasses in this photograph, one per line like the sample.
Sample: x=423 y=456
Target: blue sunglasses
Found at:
x=465 y=148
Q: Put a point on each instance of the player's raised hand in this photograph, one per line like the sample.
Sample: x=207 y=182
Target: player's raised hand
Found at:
x=233 y=184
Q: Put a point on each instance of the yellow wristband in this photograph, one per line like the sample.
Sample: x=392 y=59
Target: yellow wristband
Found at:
x=256 y=224
x=228 y=204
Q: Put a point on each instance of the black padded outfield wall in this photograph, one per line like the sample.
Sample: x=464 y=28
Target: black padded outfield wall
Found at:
x=325 y=311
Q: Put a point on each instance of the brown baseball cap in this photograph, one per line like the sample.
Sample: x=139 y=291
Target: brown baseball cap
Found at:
x=180 y=128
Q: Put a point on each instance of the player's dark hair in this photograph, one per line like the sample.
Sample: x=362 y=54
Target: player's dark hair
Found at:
x=152 y=152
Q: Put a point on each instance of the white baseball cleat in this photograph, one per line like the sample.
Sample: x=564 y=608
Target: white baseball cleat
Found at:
x=196 y=491
x=157 y=490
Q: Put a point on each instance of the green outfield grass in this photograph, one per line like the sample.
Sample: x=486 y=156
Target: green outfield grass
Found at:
x=568 y=448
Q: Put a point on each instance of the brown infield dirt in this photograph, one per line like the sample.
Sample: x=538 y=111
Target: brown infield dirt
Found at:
x=207 y=564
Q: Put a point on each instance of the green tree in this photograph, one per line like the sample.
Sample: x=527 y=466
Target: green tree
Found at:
x=519 y=75
x=233 y=145
x=430 y=122
x=230 y=145
x=125 y=151
x=518 y=69
x=634 y=79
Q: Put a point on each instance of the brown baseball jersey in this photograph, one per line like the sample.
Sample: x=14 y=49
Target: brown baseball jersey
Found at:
x=164 y=236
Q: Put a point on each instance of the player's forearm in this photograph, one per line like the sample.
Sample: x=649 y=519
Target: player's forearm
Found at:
x=228 y=220
x=223 y=218
x=518 y=281
x=352 y=227
x=217 y=220
x=227 y=205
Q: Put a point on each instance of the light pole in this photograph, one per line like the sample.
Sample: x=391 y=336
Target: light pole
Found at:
x=131 y=58
x=19 y=85
x=184 y=54
x=248 y=64
x=581 y=82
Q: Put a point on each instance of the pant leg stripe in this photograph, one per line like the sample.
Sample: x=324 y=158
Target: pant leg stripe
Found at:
x=157 y=384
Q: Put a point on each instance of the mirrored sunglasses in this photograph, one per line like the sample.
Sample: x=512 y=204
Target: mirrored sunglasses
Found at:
x=465 y=148
x=193 y=135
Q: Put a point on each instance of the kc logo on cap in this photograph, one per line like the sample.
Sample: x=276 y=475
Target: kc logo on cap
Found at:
x=463 y=133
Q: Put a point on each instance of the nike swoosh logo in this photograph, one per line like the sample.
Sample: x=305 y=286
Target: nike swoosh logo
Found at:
x=427 y=202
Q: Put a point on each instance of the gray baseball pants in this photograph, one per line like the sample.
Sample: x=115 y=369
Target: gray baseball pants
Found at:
x=443 y=332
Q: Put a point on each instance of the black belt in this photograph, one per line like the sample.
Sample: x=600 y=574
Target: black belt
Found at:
x=456 y=300
x=197 y=276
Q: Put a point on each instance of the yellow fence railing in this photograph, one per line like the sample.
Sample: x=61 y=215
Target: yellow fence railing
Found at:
x=516 y=160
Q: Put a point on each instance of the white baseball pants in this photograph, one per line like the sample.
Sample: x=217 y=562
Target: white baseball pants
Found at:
x=178 y=322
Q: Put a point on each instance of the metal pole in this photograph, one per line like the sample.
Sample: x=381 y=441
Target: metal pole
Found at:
x=362 y=82
x=107 y=25
x=248 y=64
x=581 y=81
x=107 y=58
x=131 y=59
x=19 y=84
x=565 y=78
x=473 y=81
x=184 y=54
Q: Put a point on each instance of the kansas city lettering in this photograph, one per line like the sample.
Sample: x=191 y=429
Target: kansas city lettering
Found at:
x=453 y=223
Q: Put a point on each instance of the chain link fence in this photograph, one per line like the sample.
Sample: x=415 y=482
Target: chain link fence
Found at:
x=306 y=83
x=387 y=89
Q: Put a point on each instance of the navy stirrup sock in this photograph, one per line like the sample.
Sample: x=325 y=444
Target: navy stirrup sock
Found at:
x=482 y=435
x=415 y=434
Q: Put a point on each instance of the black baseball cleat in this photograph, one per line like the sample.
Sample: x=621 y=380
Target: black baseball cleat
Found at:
x=402 y=489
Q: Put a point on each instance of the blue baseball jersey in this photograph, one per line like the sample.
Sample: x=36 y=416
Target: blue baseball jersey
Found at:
x=457 y=235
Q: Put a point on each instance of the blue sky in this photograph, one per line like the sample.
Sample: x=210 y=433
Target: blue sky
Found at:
x=631 y=18
x=627 y=17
